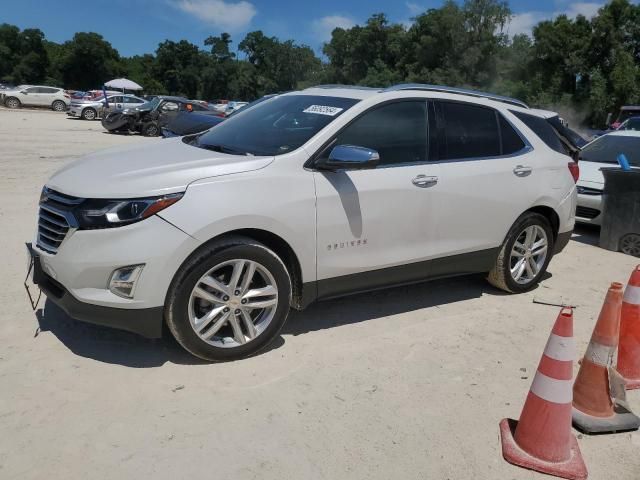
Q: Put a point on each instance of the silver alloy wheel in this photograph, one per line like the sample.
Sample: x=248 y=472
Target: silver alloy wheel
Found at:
x=528 y=254
x=12 y=103
x=233 y=303
x=58 y=106
x=89 y=114
x=630 y=244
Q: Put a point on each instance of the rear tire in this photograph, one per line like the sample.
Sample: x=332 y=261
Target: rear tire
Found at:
x=251 y=312
x=520 y=267
x=12 y=102
x=58 y=106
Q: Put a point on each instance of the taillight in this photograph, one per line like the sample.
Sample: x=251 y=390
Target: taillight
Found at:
x=575 y=170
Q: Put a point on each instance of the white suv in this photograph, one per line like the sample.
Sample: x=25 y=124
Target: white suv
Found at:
x=37 y=96
x=308 y=195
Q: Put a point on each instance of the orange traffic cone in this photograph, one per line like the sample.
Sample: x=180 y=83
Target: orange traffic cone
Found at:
x=542 y=440
x=594 y=410
x=629 y=348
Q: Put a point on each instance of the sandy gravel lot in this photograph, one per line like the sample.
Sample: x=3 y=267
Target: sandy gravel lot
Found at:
x=408 y=383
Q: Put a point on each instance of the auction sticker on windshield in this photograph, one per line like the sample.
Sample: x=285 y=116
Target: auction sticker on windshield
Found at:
x=323 y=110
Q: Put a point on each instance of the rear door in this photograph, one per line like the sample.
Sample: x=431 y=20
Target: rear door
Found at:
x=377 y=223
x=487 y=177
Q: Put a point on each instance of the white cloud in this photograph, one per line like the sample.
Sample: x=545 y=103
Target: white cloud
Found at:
x=415 y=8
x=524 y=22
x=228 y=16
x=588 y=9
x=322 y=27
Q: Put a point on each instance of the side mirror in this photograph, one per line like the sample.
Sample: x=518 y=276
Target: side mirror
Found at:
x=24 y=92
x=350 y=157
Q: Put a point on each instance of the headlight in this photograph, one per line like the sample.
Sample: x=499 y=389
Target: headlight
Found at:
x=102 y=213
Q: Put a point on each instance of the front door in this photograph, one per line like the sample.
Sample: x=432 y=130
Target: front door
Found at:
x=374 y=226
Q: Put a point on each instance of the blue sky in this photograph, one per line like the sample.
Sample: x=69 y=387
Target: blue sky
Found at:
x=137 y=26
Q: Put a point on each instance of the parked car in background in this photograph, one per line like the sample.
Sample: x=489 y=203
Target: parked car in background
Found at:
x=602 y=153
x=196 y=122
x=219 y=105
x=234 y=106
x=219 y=235
x=150 y=117
x=6 y=86
x=626 y=111
x=98 y=108
x=632 y=123
x=37 y=96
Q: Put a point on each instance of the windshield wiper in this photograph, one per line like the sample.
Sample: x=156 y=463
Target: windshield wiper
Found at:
x=221 y=148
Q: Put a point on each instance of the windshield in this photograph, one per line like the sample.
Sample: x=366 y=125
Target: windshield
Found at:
x=606 y=149
x=275 y=126
x=150 y=104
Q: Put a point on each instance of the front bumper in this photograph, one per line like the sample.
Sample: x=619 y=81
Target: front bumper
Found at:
x=589 y=209
x=77 y=277
x=146 y=321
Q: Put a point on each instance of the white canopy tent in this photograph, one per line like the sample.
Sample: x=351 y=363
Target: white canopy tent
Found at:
x=123 y=84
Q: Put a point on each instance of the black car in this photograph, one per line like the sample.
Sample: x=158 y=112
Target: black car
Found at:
x=150 y=117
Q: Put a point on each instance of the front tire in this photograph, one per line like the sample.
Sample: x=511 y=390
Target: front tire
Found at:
x=524 y=255
x=229 y=300
x=58 y=106
x=150 y=129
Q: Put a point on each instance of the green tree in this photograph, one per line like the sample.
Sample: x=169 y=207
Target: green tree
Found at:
x=89 y=61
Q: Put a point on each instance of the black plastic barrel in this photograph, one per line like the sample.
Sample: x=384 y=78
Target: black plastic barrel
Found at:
x=620 y=230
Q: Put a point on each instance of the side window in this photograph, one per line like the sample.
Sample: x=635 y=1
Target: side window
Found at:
x=170 y=107
x=397 y=131
x=117 y=99
x=49 y=90
x=467 y=131
x=32 y=90
x=542 y=129
x=511 y=141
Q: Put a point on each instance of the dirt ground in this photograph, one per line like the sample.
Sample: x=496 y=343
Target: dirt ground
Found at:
x=407 y=383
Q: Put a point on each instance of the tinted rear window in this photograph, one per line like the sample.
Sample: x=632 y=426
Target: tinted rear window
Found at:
x=511 y=141
x=467 y=131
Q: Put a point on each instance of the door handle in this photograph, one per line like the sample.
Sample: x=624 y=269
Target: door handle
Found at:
x=522 y=171
x=424 y=181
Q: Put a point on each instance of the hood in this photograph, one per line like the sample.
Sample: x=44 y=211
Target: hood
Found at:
x=149 y=169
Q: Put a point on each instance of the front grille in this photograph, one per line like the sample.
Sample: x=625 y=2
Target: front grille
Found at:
x=589 y=191
x=55 y=219
x=586 y=212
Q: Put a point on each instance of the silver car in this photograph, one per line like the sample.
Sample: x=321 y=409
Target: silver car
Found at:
x=94 y=109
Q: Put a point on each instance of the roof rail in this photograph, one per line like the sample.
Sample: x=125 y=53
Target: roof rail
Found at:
x=459 y=91
x=352 y=87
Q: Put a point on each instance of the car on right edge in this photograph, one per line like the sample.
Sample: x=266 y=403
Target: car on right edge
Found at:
x=602 y=153
x=306 y=196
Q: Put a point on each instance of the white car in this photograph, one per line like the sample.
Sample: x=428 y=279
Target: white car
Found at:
x=308 y=195
x=37 y=96
x=602 y=153
x=234 y=107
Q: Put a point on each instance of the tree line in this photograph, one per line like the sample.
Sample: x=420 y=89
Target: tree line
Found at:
x=584 y=66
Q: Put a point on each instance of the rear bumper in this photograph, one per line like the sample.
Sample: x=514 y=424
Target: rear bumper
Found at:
x=146 y=321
